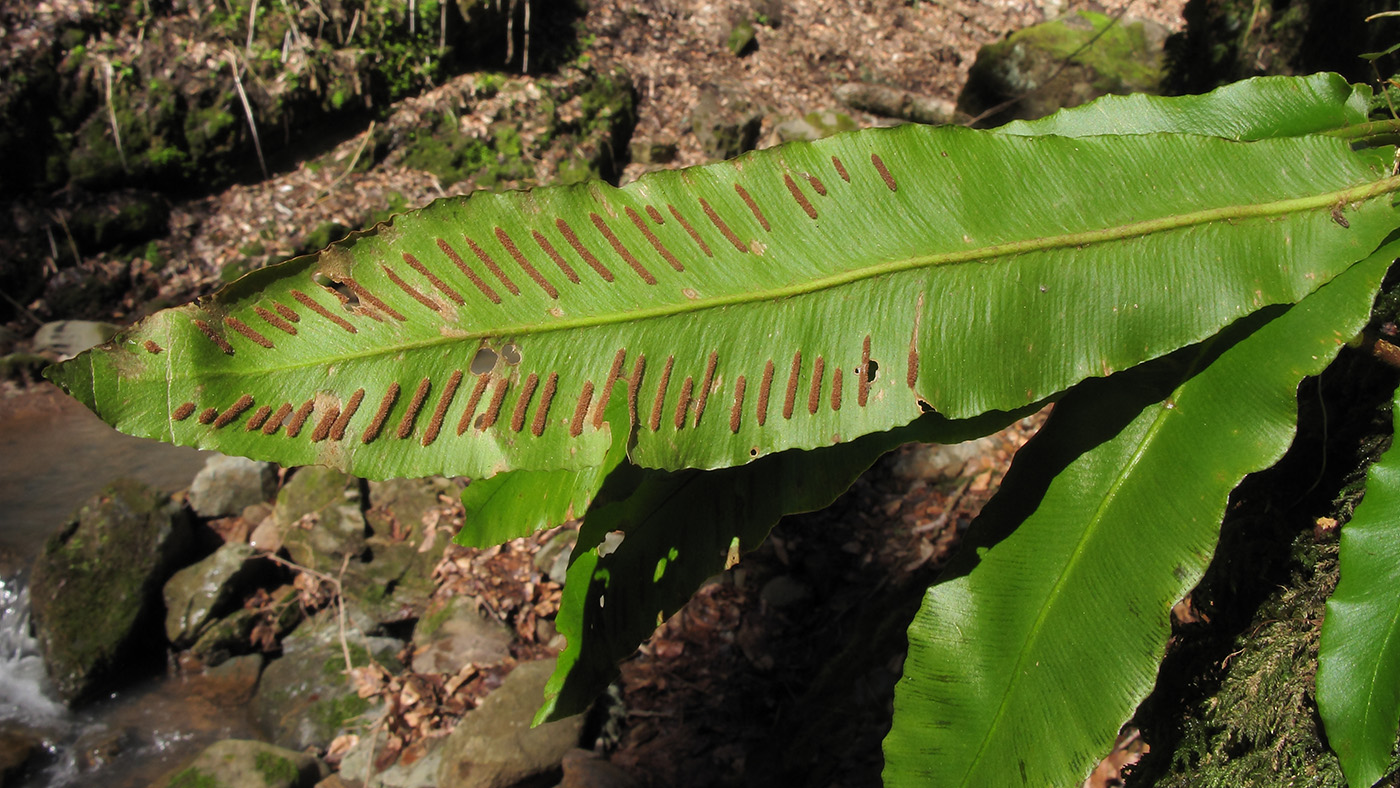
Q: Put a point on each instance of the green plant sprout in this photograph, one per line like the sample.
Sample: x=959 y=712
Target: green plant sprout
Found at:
x=688 y=358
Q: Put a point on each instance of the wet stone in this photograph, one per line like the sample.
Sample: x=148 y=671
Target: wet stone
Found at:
x=226 y=485
x=493 y=746
x=239 y=763
x=455 y=634
x=95 y=587
x=199 y=592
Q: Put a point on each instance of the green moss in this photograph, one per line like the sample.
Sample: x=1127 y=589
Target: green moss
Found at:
x=276 y=769
x=194 y=778
x=337 y=713
x=433 y=621
x=1115 y=54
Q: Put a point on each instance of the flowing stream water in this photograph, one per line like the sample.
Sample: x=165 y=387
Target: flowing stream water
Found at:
x=53 y=455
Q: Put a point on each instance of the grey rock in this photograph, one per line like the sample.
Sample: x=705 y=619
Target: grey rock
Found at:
x=405 y=502
x=395 y=584
x=1053 y=65
x=815 y=126
x=206 y=589
x=552 y=560
x=228 y=484
x=320 y=517
x=456 y=634
x=416 y=767
x=239 y=763
x=493 y=746
x=95 y=586
x=892 y=102
x=652 y=151
x=931 y=461
x=725 y=128
x=65 y=339
x=304 y=699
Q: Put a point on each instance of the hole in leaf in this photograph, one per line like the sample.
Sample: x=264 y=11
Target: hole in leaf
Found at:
x=511 y=353
x=484 y=361
x=611 y=541
x=344 y=293
x=753 y=452
x=872 y=369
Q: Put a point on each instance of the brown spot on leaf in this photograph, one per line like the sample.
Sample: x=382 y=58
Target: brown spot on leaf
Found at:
x=694 y=236
x=444 y=402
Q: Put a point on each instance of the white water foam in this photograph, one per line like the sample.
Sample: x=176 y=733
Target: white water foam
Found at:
x=23 y=682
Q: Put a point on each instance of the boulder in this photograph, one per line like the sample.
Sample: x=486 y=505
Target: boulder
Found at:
x=815 y=126
x=725 y=126
x=95 y=587
x=319 y=514
x=239 y=763
x=202 y=591
x=1053 y=65
x=235 y=633
x=394 y=585
x=892 y=102
x=493 y=746
x=417 y=766
x=304 y=699
x=226 y=485
x=455 y=634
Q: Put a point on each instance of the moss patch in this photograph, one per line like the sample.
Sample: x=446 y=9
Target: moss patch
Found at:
x=194 y=778
x=275 y=769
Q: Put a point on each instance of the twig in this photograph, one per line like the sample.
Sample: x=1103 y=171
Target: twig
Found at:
x=1382 y=14
x=24 y=310
x=510 y=30
x=412 y=17
x=339 y=596
x=1064 y=64
x=252 y=17
x=354 y=20
x=247 y=110
x=442 y=27
x=369 y=135
x=525 y=54
x=72 y=244
x=112 y=112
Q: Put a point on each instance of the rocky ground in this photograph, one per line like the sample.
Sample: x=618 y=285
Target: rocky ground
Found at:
x=743 y=686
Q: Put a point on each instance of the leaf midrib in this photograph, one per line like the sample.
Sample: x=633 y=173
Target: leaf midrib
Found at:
x=1110 y=497
x=984 y=254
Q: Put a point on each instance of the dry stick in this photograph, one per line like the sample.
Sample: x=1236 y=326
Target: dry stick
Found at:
x=21 y=307
x=369 y=134
x=525 y=55
x=412 y=17
x=510 y=29
x=252 y=17
x=442 y=27
x=72 y=244
x=354 y=20
x=247 y=110
x=112 y=111
x=1064 y=64
x=339 y=596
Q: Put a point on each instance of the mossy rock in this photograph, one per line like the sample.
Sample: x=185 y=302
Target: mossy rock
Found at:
x=239 y=763
x=95 y=588
x=304 y=699
x=566 y=128
x=1063 y=63
x=320 y=516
